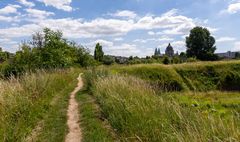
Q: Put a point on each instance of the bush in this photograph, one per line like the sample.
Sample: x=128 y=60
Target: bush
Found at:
x=108 y=60
x=231 y=82
x=7 y=70
x=166 y=60
x=162 y=78
x=190 y=60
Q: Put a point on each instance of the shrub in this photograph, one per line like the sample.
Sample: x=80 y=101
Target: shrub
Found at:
x=166 y=60
x=230 y=82
x=108 y=60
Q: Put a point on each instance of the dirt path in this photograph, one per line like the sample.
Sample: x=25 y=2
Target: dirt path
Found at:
x=74 y=134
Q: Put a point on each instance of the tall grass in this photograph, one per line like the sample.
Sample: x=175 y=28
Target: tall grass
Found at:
x=25 y=100
x=138 y=114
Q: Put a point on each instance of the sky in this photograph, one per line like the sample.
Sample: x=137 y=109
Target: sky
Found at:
x=123 y=27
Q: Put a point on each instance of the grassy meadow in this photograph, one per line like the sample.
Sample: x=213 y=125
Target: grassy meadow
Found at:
x=33 y=107
x=147 y=103
x=187 y=102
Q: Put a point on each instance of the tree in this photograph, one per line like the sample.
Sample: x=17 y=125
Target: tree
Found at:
x=201 y=44
x=98 y=53
x=108 y=60
x=4 y=55
x=237 y=55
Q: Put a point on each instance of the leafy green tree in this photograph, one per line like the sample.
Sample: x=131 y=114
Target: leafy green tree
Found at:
x=4 y=55
x=108 y=60
x=98 y=53
x=201 y=44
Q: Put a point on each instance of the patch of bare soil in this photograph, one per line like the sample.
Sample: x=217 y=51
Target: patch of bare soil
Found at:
x=74 y=130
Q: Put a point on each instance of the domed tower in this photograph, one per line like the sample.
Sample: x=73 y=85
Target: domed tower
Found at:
x=169 y=51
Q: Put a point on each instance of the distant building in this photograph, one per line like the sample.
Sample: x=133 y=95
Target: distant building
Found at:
x=157 y=52
x=169 y=51
x=227 y=55
x=120 y=59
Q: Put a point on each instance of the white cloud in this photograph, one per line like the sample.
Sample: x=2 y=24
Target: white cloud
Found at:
x=26 y=3
x=124 y=13
x=9 y=9
x=233 y=8
x=102 y=42
x=118 y=39
x=59 y=4
x=225 y=39
x=151 y=33
x=169 y=23
x=171 y=12
x=79 y=28
x=236 y=46
x=38 y=13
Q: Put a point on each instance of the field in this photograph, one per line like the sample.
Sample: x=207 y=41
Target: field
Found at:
x=33 y=103
x=188 y=102
x=153 y=102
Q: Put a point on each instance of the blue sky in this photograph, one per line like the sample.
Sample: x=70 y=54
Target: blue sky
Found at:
x=123 y=27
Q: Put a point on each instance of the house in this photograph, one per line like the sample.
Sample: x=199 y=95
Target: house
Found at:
x=227 y=55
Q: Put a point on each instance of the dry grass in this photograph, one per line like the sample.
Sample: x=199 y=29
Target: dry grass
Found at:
x=138 y=114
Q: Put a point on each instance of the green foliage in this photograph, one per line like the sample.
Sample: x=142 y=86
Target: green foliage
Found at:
x=191 y=60
x=138 y=114
x=108 y=60
x=98 y=53
x=166 y=60
x=47 y=50
x=237 y=55
x=4 y=56
x=201 y=44
x=161 y=77
x=230 y=82
x=26 y=100
x=94 y=129
x=176 y=60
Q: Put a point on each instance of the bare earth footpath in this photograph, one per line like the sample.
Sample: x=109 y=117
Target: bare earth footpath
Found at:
x=74 y=134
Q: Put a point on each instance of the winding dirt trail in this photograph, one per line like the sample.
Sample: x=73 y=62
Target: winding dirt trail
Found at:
x=74 y=134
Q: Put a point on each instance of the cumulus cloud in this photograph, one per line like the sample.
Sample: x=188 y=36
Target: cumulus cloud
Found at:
x=9 y=9
x=124 y=13
x=41 y=14
x=233 y=7
x=236 y=46
x=168 y=24
x=59 y=4
x=225 y=39
x=26 y=3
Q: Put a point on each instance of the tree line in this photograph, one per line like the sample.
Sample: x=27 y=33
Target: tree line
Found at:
x=49 y=50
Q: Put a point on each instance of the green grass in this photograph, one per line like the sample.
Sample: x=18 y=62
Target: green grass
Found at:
x=215 y=102
x=138 y=114
x=140 y=104
x=200 y=76
x=26 y=101
x=94 y=127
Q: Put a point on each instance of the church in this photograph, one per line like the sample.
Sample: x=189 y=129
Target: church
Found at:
x=169 y=51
